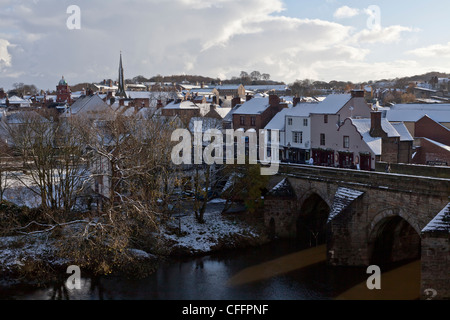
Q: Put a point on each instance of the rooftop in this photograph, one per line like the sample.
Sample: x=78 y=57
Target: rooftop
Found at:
x=254 y=106
x=333 y=103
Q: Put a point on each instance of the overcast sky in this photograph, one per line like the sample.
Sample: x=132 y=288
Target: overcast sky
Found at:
x=289 y=39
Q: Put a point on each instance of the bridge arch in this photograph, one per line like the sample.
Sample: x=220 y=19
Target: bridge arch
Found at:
x=312 y=219
x=393 y=237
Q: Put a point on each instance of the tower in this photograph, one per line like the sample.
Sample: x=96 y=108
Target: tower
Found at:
x=63 y=93
x=121 y=90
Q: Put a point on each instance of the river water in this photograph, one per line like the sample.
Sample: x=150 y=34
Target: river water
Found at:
x=278 y=271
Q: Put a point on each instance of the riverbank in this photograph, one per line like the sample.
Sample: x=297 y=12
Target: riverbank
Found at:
x=33 y=259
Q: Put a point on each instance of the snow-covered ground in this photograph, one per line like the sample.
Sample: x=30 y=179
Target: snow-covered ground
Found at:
x=203 y=238
x=195 y=238
x=17 y=251
x=16 y=192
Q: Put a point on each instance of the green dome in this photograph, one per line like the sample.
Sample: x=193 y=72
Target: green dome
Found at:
x=62 y=82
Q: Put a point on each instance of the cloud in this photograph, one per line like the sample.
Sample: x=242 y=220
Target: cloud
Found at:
x=216 y=38
x=346 y=12
x=381 y=35
x=5 y=57
x=437 y=50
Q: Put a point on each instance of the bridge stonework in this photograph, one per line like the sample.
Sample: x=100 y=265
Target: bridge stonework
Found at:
x=396 y=206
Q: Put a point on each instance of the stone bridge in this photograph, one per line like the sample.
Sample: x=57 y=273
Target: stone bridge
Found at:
x=366 y=218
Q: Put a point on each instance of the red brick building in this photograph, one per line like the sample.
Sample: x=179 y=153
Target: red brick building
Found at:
x=432 y=141
x=63 y=93
x=256 y=113
x=428 y=128
x=429 y=152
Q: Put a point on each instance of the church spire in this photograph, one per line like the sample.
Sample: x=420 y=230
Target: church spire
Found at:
x=121 y=91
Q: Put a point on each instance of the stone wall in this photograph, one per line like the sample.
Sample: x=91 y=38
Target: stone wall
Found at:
x=352 y=234
x=416 y=170
x=283 y=213
x=435 y=266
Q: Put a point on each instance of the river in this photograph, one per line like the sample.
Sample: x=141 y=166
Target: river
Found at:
x=278 y=271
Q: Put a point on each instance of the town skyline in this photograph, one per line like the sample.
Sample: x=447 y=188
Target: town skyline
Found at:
x=290 y=40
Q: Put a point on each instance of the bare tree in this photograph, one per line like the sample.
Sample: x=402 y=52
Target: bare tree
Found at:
x=52 y=156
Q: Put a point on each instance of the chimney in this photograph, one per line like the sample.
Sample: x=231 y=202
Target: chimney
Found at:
x=248 y=97
x=159 y=105
x=110 y=83
x=376 y=129
x=235 y=101
x=296 y=101
x=357 y=93
x=274 y=100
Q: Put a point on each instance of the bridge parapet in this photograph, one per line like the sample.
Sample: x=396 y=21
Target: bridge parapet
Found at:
x=355 y=178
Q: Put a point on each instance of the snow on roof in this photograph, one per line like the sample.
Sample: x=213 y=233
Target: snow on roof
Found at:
x=441 y=222
x=416 y=115
x=403 y=131
x=207 y=123
x=302 y=110
x=89 y=104
x=415 y=112
x=441 y=145
x=229 y=116
x=375 y=143
x=228 y=87
x=279 y=121
x=223 y=112
x=364 y=125
x=267 y=87
x=182 y=105
x=422 y=106
x=282 y=189
x=333 y=103
x=16 y=99
x=254 y=106
x=139 y=94
x=343 y=198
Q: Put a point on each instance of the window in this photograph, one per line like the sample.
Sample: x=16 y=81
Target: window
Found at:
x=325 y=118
x=346 y=142
x=242 y=121
x=253 y=121
x=305 y=122
x=297 y=137
x=322 y=139
x=289 y=121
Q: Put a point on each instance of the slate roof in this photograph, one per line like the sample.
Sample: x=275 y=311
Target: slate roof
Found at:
x=375 y=143
x=254 y=106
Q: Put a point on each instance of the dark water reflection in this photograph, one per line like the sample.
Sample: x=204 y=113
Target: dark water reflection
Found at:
x=206 y=278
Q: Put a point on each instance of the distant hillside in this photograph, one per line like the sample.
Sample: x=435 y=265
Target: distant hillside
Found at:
x=427 y=76
x=181 y=78
x=417 y=78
